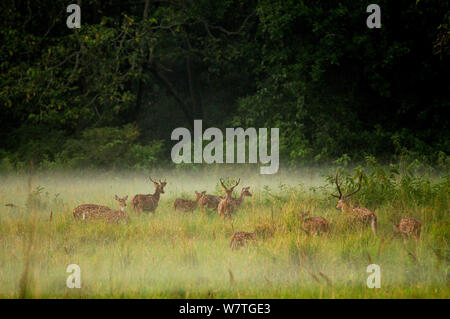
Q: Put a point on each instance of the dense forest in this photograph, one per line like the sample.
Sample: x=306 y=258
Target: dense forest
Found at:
x=110 y=93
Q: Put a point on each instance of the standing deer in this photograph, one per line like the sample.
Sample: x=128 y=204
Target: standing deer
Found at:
x=360 y=214
x=244 y=193
x=187 y=205
x=314 y=225
x=114 y=216
x=240 y=239
x=226 y=206
x=408 y=227
x=209 y=201
x=148 y=203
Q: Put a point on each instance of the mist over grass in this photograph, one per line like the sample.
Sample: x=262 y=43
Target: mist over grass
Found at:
x=172 y=254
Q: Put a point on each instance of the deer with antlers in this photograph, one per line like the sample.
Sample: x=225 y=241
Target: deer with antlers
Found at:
x=313 y=225
x=408 y=227
x=149 y=202
x=187 y=205
x=226 y=206
x=361 y=214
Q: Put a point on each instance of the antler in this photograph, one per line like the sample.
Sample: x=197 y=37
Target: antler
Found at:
x=223 y=185
x=357 y=190
x=231 y=188
x=150 y=178
x=338 y=188
x=236 y=184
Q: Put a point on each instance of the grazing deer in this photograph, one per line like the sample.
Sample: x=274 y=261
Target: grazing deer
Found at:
x=226 y=206
x=148 y=203
x=244 y=193
x=209 y=201
x=89 y=211
x=314 y=225
x=114 y=216
x=408 y=227
x=240 y=239
x=361 y=214
x=187 y=205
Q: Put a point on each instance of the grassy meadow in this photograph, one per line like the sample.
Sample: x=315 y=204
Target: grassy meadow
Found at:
x=172 y=254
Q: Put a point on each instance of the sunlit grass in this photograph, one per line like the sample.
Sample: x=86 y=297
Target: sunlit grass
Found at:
x=187 y=255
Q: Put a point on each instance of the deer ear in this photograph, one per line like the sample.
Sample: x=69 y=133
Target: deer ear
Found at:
x=116 y=197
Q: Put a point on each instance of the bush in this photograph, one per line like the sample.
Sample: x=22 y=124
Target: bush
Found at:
x=402 y=185
x=110 y=147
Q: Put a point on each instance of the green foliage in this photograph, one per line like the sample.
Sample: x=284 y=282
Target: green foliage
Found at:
x=110 y=147
x=402 y=185
x=312 y=69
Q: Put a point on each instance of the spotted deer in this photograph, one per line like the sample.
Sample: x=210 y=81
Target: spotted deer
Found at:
x=148 y=203
x=408 y=227
x=98 y=212
x=363 y=215
x=313 y=225
x=209 y=201
x=244 y=193
x=114 y=216
x=187 y=205
x=240 y=239
x=226 y=206
x=89 y=211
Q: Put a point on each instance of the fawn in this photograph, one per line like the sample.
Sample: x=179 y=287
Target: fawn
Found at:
x=244 y=192
x=226 y=206
x=187 y=205
x=148 y=203
x=408 y=227
x=361 y=214
x=116 y=215
x=209 y=201
x=314 y=225
x=240 y=239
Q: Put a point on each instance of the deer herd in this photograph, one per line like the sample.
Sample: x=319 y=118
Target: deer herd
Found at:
x=226 y=207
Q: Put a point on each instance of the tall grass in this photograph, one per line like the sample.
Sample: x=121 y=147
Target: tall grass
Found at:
x=186 y=255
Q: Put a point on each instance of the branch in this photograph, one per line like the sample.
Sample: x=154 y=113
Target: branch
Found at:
x=222 y=29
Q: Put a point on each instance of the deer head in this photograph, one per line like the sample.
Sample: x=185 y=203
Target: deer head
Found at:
x=396 y=228
x=343 y=199
x=199 y=195
x=303 y=214
x=159 y=187
x=245 y=192
x=122 y=202
x=229 y=191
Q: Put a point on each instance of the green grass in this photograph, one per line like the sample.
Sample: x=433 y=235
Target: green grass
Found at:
x=186 y=255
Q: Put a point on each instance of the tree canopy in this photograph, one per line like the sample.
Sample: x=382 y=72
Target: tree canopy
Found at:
x=136 y=70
